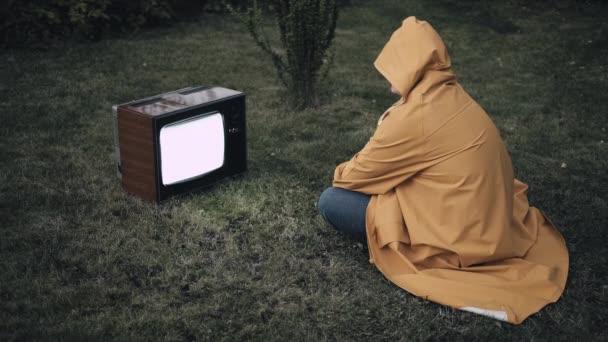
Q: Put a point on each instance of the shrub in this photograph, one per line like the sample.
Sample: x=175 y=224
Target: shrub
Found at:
x=306 y=30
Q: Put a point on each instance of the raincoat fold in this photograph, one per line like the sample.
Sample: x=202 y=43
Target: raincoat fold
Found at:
x=447 y=220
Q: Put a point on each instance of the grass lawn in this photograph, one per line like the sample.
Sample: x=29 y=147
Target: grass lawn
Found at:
x=250 y=258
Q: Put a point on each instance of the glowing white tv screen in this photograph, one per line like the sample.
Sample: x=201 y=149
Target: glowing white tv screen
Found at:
x=191 y=148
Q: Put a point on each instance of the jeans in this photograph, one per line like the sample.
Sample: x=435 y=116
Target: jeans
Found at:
x=344 y=210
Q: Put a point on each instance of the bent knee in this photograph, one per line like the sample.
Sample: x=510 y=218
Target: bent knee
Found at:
x=325 y=200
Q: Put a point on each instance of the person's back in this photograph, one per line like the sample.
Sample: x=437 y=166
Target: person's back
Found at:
x=467 y=199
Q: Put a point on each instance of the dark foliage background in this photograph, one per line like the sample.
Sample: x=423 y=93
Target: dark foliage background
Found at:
x=37 y=22
x=26 y=22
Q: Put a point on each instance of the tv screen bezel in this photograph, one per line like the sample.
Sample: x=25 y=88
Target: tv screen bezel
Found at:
x=192 y=118
x=227 y=107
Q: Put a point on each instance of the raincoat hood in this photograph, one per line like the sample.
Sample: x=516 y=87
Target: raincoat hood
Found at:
x=413 y=50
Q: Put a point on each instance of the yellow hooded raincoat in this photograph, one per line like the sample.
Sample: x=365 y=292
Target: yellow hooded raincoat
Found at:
x=447 y=220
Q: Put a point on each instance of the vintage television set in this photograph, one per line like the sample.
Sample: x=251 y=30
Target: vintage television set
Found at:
x=180 y=141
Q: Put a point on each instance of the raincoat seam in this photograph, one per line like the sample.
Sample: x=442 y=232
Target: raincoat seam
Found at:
x=458 y=112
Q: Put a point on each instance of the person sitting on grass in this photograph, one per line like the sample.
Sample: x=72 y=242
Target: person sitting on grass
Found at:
x=433 y=191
